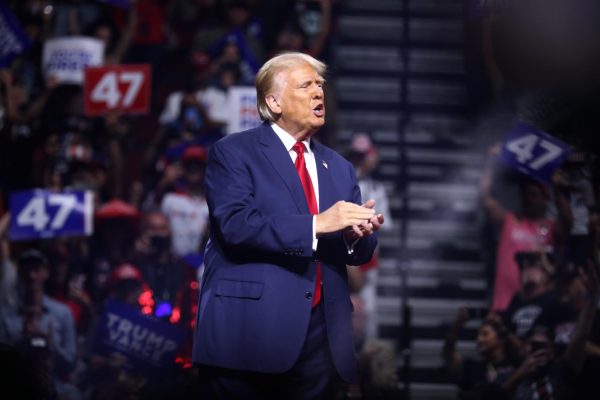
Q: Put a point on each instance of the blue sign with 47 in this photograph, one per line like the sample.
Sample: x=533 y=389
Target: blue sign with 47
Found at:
x=533 y=152
x=39 y=214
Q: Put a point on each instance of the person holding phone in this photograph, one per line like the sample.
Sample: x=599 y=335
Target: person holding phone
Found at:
x=543 y=375
x=497 y=363
x=535 y=295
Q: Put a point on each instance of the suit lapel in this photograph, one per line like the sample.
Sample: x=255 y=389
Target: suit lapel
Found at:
x=279 y=158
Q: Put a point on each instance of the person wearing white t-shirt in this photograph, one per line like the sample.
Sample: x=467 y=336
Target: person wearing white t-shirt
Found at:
x=186 y=208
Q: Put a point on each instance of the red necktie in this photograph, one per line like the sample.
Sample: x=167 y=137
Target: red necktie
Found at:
x=311 y=199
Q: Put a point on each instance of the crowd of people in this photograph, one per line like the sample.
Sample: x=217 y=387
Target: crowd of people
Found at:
x=539 y=338
x=146 y=173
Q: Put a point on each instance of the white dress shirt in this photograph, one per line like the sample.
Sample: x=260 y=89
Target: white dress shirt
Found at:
x=311 y=165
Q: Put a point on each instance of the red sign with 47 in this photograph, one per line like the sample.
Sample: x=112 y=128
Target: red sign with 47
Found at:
x=122 y=88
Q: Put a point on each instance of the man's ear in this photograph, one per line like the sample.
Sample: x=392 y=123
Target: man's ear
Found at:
x=273 y=104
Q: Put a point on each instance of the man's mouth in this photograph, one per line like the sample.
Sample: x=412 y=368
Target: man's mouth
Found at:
x=319 y=110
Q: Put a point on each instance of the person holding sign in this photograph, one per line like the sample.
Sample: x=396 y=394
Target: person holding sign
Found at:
x=274 y=316
x=529 y=230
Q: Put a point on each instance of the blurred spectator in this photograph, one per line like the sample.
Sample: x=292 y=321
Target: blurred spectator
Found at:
x=572 y=296
x=237 y=40
x=363 y=155
x=116 y=224
x=535 y=294
x=107 y=376
x=575 y=180
x=150 y=36
x=169 y=279
x=188 y=15
x=21 y=119
x=376 y=359
x=116 y=44
x=294 y=37
x=210 y=107
x=542 y=373
x=498 y=361
x=186 y=208
x=528 y=230
x=8 y=271
x=66 y=285
x=41 y=327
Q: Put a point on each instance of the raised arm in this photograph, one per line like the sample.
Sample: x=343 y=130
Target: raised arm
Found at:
x=565 y=214
x=453 y=360
x=575 y=353
x=494 y=209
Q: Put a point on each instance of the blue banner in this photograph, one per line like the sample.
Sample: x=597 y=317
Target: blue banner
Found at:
x=13 y=41
x=38 y=214
x=149 y=345
x=533 y=152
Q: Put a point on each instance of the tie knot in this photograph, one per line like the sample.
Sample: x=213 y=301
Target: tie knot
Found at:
x=299 y=148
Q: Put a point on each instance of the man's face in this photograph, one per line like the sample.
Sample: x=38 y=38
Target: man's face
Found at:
x=487 y=339
x=194 y=172
x=158 y=232
x=34 y=275
x=534 y=279
x=301 y=101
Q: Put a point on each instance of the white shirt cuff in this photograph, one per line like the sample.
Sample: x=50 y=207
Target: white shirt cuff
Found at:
x=315 y=241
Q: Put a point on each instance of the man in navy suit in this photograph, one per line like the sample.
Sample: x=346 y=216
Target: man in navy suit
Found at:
x=274 y=316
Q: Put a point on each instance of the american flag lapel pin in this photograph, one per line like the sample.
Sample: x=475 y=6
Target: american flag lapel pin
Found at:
x=325 y=164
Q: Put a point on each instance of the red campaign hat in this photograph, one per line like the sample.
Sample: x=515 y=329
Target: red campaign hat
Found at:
x=194 y=153
x=123 y=272
x=117 y=209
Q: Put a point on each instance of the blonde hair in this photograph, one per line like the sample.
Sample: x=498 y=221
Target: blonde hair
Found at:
x=266 y=77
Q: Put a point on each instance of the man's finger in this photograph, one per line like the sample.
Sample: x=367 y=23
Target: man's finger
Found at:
x=369 y=203
x=367 y=228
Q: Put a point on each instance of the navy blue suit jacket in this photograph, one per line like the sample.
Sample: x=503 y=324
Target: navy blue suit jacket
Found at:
x=254 y=306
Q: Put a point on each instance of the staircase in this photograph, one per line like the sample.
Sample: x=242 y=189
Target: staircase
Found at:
x=400 y=76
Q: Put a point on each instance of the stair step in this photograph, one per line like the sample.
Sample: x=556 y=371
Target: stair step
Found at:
x=439 y=269
x=429 y=92
x=395 y=331
x=432 y=391
x=436 y=61
x=368 y=90
x=387 y=7
x=439 y=290
x=410 y=94
x=369 y=58
x=368 y=120
x=442 y=157
x=371 y=28
x=425 y=311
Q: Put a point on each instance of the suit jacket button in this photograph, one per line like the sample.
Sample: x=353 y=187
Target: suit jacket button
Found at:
x=308 y=295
